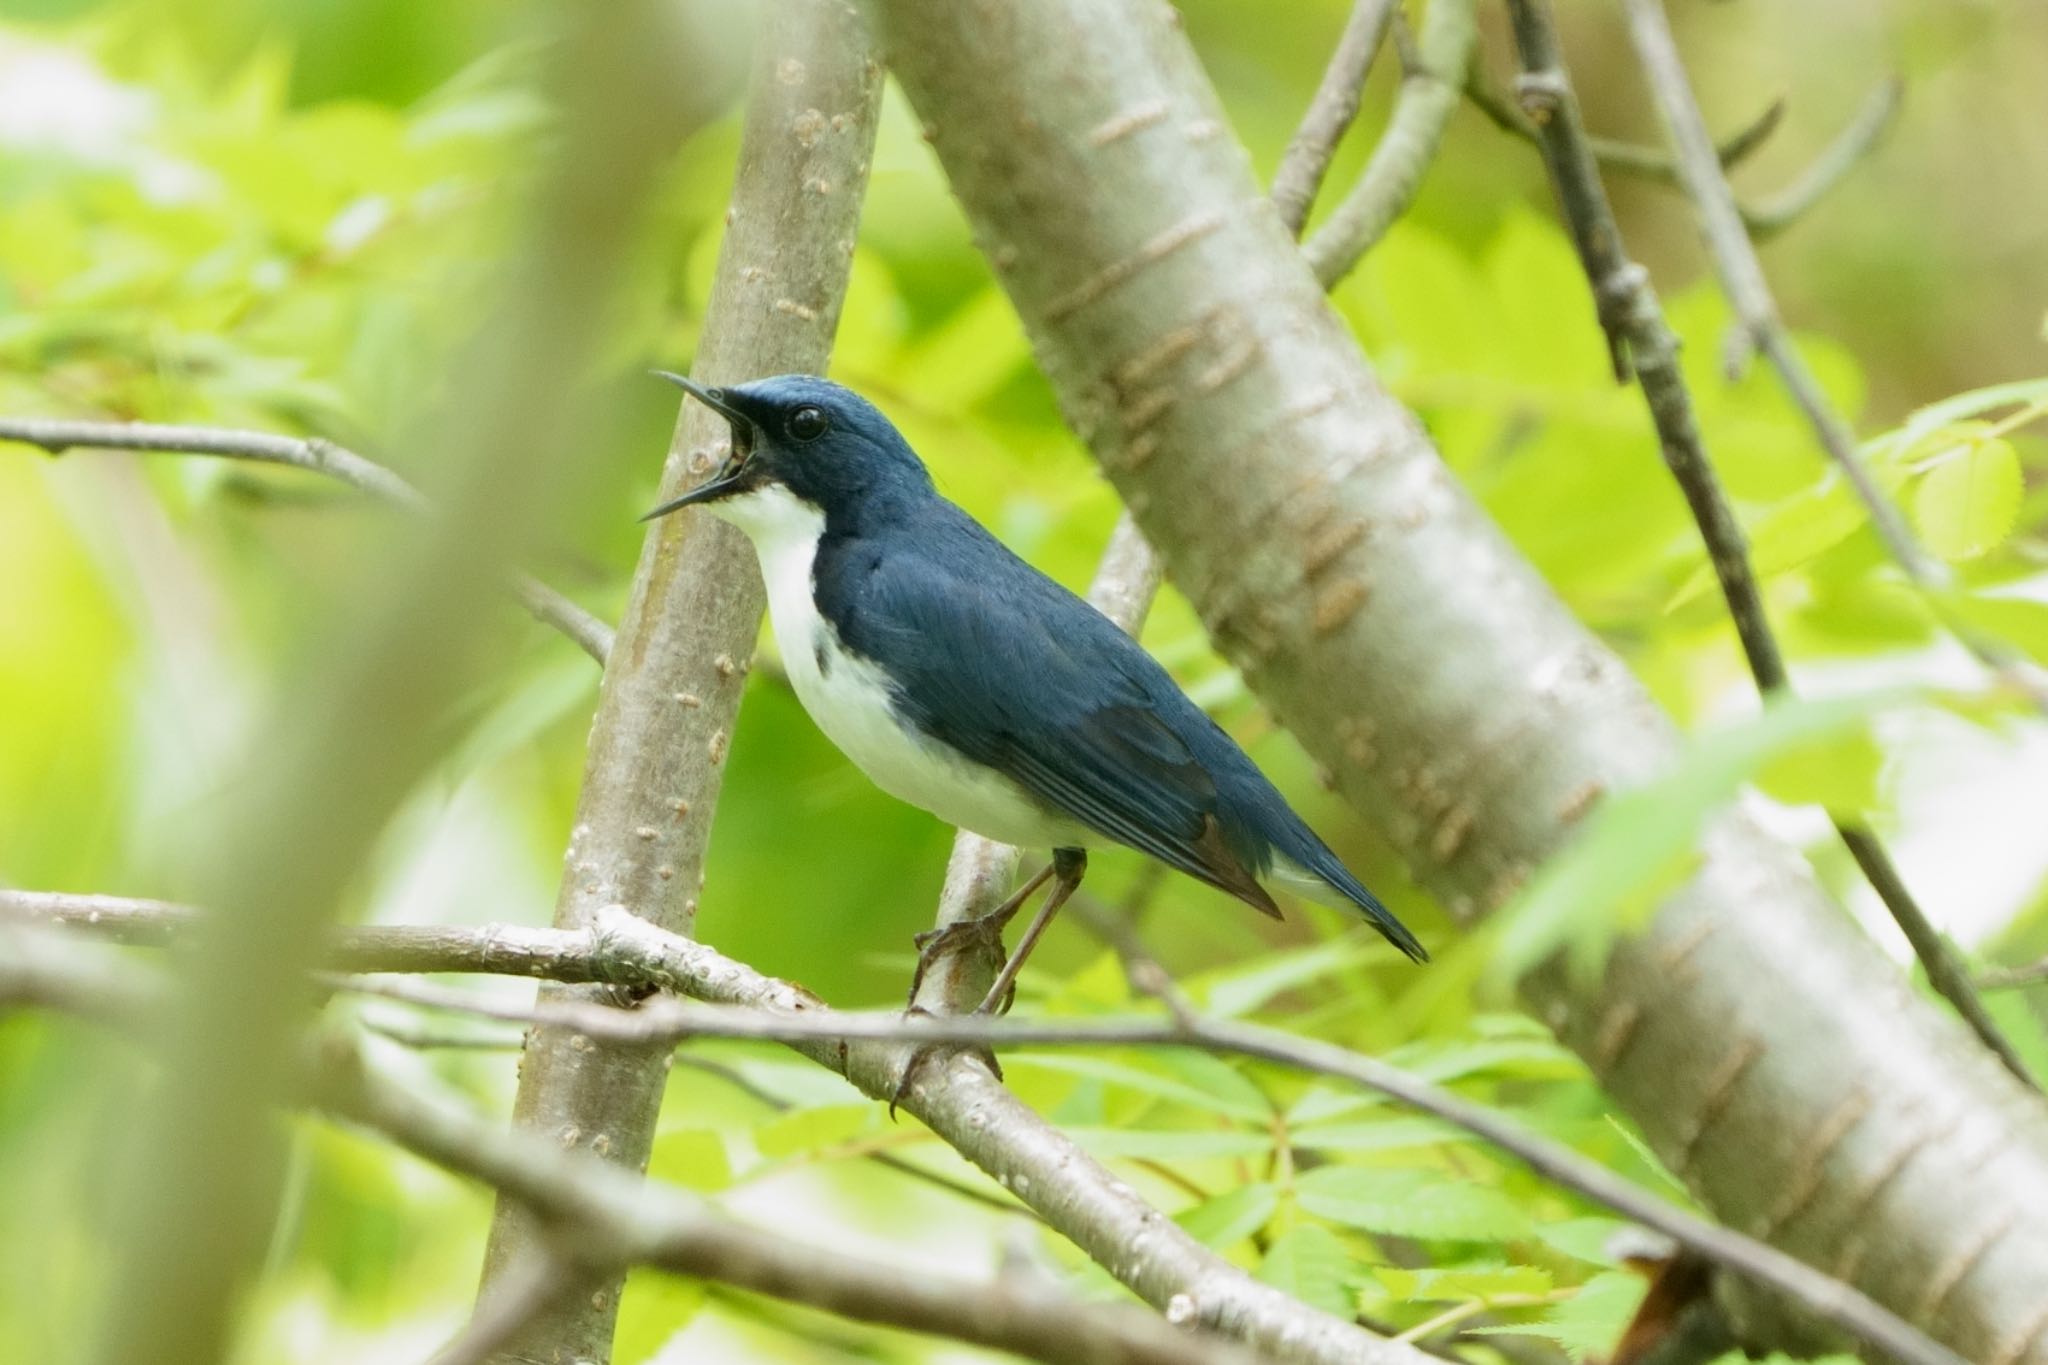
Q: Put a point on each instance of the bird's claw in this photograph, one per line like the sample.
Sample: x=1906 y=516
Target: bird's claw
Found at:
x=918 y=1058
x=983 y=935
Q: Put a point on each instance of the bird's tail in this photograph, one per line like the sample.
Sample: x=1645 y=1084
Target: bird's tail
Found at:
x=1321 y=878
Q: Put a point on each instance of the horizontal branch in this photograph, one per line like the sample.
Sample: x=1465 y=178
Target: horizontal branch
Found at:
x=57 y=435
x=622 y=948
x=601 y=1216
x=959 y=1101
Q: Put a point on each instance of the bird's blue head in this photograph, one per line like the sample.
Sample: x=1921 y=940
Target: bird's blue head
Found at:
x=801 y=444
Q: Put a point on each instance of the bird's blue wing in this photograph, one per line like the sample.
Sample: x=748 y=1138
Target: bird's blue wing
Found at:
x=1016 y=673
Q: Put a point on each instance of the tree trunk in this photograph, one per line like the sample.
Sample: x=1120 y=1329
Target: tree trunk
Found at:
x=1778 y=1062
x=672 y=686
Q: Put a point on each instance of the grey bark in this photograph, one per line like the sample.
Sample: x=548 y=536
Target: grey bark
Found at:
x=1776 y=1060
x=671 y=690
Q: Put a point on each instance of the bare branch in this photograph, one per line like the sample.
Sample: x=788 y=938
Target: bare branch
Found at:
x=1640 y=340
x=1851 y=145
x=1429 y=96
x=1742 y=277
x=1628 y=158
x=633 y=949
x=57 y=435
x=1307 y=158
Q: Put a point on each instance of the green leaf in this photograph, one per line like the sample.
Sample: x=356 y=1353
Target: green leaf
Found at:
x=1411 y=1203
x=1230 y=1218
x=1585 y=1239
x=1635 y=841
x=1310 y=1263
x=1591 y=1321
x=1966 y=503
x=1925 y=422
x=1172 y=1144
x=691 y=1157
x=1377 y=1135
x=1483 y=1282
x=808 y=1130
x=656 y=1306
x=1839 y=773
x=1229 y=1100
x=1240 y=990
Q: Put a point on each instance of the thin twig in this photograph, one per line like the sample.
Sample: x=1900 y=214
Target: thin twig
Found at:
x=1742 y=277
x=621 y=946
x=1641 y=342
x=1631 y=158
x=1773 y=215
x=2010 y=978
x=57 y=435
x=1429 y=96
x=1307 y=158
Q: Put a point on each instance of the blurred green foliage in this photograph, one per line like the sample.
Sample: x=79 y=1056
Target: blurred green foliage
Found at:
x=281 y=216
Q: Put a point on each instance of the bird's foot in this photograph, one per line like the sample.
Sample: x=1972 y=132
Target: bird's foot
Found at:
x=982 y=937
x=924 y=1053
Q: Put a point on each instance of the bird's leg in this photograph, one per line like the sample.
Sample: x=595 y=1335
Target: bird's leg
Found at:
x=1069 y=865
x=984 y=932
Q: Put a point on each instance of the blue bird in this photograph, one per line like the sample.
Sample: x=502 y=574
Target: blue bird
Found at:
x=965 y=682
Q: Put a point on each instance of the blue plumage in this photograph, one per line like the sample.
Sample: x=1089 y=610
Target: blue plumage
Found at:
x=1004 y=668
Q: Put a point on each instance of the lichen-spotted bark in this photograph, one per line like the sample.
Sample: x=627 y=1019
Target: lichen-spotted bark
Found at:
x=1767 y=1049
x=672 y=687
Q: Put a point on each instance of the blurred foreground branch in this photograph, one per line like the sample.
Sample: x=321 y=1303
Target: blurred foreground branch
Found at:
x=57 y=435
x=623 y=949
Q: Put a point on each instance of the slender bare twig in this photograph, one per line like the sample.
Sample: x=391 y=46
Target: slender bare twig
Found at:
x=622 y=947
x=1642 y=343
x=1773 y=215
x=2010 y=978
x=57 y=435
x=1307 y=158
x=1429 y=96
x=1742 y=277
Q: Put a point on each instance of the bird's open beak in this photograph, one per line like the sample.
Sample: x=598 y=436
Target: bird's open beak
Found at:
x=742 y=439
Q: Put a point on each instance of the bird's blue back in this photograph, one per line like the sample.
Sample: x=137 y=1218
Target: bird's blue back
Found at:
x=1003 y=664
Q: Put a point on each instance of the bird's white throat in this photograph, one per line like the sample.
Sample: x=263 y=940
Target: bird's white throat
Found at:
x=849 y=696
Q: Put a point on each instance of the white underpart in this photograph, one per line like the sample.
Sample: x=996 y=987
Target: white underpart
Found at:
x=848 y=696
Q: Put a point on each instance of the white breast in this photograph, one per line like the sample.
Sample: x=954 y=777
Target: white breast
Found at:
x=848 y=696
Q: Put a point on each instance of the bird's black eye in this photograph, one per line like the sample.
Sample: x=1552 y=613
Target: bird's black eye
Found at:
x=808 y=423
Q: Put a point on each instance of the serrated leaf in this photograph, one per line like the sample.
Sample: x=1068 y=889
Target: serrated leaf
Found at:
x=1966 y=503
x=1230 y=1218
x=1411 y=1203
x=1310 y=1263
x=1483 y=1282
x=1840 y=774
x=1585 y=1239
x=1589 y=1322
x=808 y=1130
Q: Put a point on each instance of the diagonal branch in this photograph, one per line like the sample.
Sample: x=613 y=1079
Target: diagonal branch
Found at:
x=1643 y=344
x=1429 y=96
x=1335 y=104
x=57 y=435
